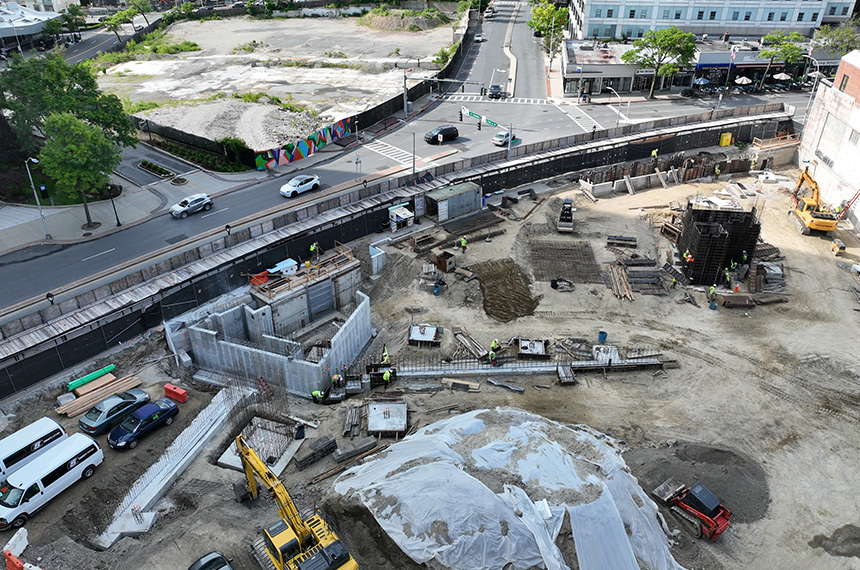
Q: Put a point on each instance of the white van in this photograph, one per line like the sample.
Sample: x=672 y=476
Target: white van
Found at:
x=28 y=443
x=30 y=488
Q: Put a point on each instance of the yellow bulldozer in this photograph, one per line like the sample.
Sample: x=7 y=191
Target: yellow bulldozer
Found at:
x=808 y=215
x=294 y=542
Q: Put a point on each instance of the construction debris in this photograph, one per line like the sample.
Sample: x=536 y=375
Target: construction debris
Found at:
x=566 y=375
x=562 y=285
x=622 y=241
x=511 y=387
x=618 y=280
x=351 y=450
x=470 y=344
x=352 y=421
x=733 y=301
x=321 y=447
x=462 y=385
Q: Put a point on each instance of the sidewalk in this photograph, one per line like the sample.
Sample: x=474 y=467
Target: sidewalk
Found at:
x=555 y=92
x=21 y=226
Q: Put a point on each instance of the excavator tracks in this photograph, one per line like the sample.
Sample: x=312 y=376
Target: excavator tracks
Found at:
x=690 y=523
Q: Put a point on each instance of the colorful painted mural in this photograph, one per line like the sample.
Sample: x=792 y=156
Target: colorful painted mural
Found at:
x=292 y=152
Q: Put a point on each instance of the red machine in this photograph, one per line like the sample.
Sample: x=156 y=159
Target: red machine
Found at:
x=700 y=509
x=848 y=205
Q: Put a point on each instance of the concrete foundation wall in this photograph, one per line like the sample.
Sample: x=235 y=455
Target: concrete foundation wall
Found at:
x=258 y=323
x=345 y=288
x=377 y=260
x=291 y=313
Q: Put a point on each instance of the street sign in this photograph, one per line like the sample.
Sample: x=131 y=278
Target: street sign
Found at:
x=491 y=123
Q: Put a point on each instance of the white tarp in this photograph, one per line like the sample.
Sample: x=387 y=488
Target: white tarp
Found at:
x=490 y=487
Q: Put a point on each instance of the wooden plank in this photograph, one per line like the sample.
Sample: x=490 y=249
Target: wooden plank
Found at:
x=463 y=385
x=83 y=404
x=660 y=176
x=93 y=385
x=629 y=184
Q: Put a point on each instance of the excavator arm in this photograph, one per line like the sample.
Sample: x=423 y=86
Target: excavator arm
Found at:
x=814 y=189
x=256 y=468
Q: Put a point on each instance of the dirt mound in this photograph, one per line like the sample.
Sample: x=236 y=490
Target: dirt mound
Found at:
x=506 y=290
x=403 y=20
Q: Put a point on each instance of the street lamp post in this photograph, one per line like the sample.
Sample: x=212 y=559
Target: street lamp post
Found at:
x=110 y=193
x=814 y=85
x=36 y=196
x=413 y=143
x=620 y=102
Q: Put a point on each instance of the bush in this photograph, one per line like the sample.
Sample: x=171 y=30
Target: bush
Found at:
x=138 y=106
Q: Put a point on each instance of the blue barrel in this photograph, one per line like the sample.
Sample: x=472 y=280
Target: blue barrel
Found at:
x=713 y=305
x=436 y=289
x=601 y=337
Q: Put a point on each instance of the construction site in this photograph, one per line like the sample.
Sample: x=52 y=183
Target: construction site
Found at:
x=649 y=379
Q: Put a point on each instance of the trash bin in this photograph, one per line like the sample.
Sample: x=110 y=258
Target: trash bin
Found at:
x=601 y=337
x=437 y=289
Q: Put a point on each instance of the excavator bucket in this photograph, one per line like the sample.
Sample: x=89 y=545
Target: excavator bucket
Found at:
x=668 y=490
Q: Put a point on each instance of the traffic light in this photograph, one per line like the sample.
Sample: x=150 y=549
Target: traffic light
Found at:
x=461 y=115
x=479 y=124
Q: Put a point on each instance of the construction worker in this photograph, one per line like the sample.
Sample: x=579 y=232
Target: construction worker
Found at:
x=734 y=265
x=654 y=154
x=387 y=377
x=317 y=396
x=745 y=256
x=463 y=243
x=314 y=249
x=728 y=277
x=688 y=256
x=495 y=345
x=385 y=359
x=712 y=292
x=491 y=357
x=717 y=171
x=337 y=380
x=674 y=282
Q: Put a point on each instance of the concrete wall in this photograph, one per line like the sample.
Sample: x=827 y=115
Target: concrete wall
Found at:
x=258 y=323
x=377 y=260
x=283 y=365
x=291 y=313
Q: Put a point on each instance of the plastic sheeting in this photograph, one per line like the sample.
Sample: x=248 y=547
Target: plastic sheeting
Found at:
x=491 y=487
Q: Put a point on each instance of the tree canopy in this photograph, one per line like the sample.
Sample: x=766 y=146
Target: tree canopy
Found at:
x=666 y=51
x=549 y=21
x=77 y=155
x=141 y=7
x=35 y=88
x=782 y=46
x=843 y=38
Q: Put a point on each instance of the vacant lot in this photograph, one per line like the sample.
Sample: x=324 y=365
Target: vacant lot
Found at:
x=763 y=409
x=332 y=67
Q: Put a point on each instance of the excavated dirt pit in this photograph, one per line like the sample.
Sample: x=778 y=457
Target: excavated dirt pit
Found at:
x=506 y=290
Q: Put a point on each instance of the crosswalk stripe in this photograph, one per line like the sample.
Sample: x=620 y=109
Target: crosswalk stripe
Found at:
x=517 y=100
x=389 y=151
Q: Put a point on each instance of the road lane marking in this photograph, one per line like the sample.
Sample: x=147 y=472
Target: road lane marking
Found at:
x=215 y=212
x=98 y=254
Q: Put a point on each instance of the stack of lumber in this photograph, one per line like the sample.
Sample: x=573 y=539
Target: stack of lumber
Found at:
x=352 y=421
x=95 y=395
x=618 y=279
x=469 y=343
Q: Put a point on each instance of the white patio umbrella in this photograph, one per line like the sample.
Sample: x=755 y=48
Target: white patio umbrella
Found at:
x=782 y=76
x=743 y=80
x=701 y=81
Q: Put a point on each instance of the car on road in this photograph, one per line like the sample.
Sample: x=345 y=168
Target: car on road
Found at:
x=212 y=561
x=447 y=132
x=495 y=91
x=204 y=9
x=479 y=38
x=238 y=5
x=191 y=204
x=502 y=138
x=138 y=28
x=142 y=422
x=300 y=184
x=111 y=411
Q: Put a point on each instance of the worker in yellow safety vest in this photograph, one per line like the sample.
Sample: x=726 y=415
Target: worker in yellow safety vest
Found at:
x=491 y=357
x=495 y=345
x=463 y=243
x=337 y=380
x=318 y=396
x=712 y=292
x=387 y=376
x=385 y=359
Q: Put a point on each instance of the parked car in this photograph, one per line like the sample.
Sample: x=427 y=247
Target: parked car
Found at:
x=238 y=5
x=111 y=411
x=503 y=137
x=495 y=91
x=212 y=561
x=138 y=28
x=204 y=9
x=142 y=422
x=448 y=133
x=191 y=204
x=300 y=184
x=479 y=38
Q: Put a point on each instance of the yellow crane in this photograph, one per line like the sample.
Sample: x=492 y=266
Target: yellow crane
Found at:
x=808 y=214
x=293 y=543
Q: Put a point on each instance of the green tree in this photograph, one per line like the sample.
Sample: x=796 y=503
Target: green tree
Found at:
x=782 y=46
x=549 y=21
x=141 y=7
x=35 y=88
x=78 y=156
x=52 y=28
x=74 y=18
x=665 y=51
x=843 y=38
x=114 y=24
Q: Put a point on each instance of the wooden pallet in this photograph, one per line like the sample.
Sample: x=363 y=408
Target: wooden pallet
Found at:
x=80 y=405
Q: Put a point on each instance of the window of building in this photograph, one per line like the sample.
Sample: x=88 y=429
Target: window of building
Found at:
x=845 y=11
x=629 y=32
x=598 y=12
x=832 y=11
x=677 y=14
x=815 y=16
x=844 y=83
x=700 y=15
x=595 y=32
x=712 y=16
x=770 y=16
x=640 y=33
x=854 y=137
x=783 y=16
x=643 y=14
x=607 y=32
x=632 y=13
x=665 y=14
x=609 y=12
x=800 y=16
x=736 y=15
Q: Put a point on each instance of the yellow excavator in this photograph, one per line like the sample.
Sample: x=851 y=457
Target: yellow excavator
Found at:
x=808 y=215
x=292 y=543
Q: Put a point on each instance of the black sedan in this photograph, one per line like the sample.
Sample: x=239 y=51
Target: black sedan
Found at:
x=141 y=423
x=441 y=134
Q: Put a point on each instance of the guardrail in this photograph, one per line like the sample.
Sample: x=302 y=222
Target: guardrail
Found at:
x=763 y=144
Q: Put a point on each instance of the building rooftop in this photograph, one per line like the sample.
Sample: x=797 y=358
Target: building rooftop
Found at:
x=16 y=20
